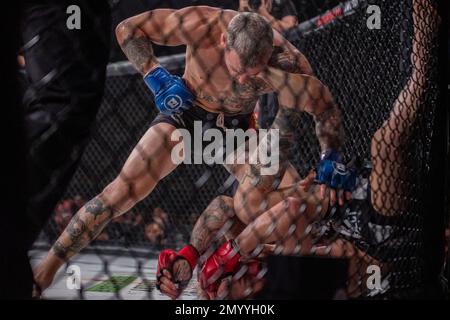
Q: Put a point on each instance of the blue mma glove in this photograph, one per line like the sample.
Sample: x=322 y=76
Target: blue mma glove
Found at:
x=171 y=94
x=334 y=174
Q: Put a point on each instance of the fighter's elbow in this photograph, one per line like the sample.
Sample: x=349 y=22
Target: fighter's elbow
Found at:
x=122 y=29
x=304 y=65
x=125 y=29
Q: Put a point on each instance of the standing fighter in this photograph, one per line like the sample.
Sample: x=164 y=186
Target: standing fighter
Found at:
x=227 y=69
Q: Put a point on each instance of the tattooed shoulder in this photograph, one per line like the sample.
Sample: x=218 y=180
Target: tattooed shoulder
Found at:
x=285 y=60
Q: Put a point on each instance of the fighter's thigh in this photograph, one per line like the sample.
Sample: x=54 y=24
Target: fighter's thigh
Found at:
x=251 y=200
x=152 y=154
x=150 y=160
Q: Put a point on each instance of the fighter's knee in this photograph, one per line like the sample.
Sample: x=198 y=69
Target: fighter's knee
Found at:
x=112 y=189
x=119 y=195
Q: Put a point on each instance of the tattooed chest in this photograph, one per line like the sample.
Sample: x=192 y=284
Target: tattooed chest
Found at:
x=238 y=98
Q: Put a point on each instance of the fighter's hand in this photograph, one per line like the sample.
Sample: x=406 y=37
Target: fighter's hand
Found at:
x=333 y=174
x=234 y=287
x=175 y=270
x=173 y=282
x=171 y=94
x=222 y=262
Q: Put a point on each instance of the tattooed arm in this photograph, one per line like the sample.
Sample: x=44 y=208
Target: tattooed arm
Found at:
x=287 y=57
x=85 y=225
x=188 y=26
x=302 y=93
x=296 y=94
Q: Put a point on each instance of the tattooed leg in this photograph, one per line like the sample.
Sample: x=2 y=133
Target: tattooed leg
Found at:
x=83 y=228
x=148 y=163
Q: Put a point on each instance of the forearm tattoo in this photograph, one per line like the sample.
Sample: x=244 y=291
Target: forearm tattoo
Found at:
x=83 y=228
x=329 y=129
x=139 y=51
x=286 y=122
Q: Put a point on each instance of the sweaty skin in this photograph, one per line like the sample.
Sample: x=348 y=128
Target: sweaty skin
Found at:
x=214 y=74
x=206 y=73
x=385 y=144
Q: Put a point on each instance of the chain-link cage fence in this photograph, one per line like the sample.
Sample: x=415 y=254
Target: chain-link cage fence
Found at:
x=359 y=80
